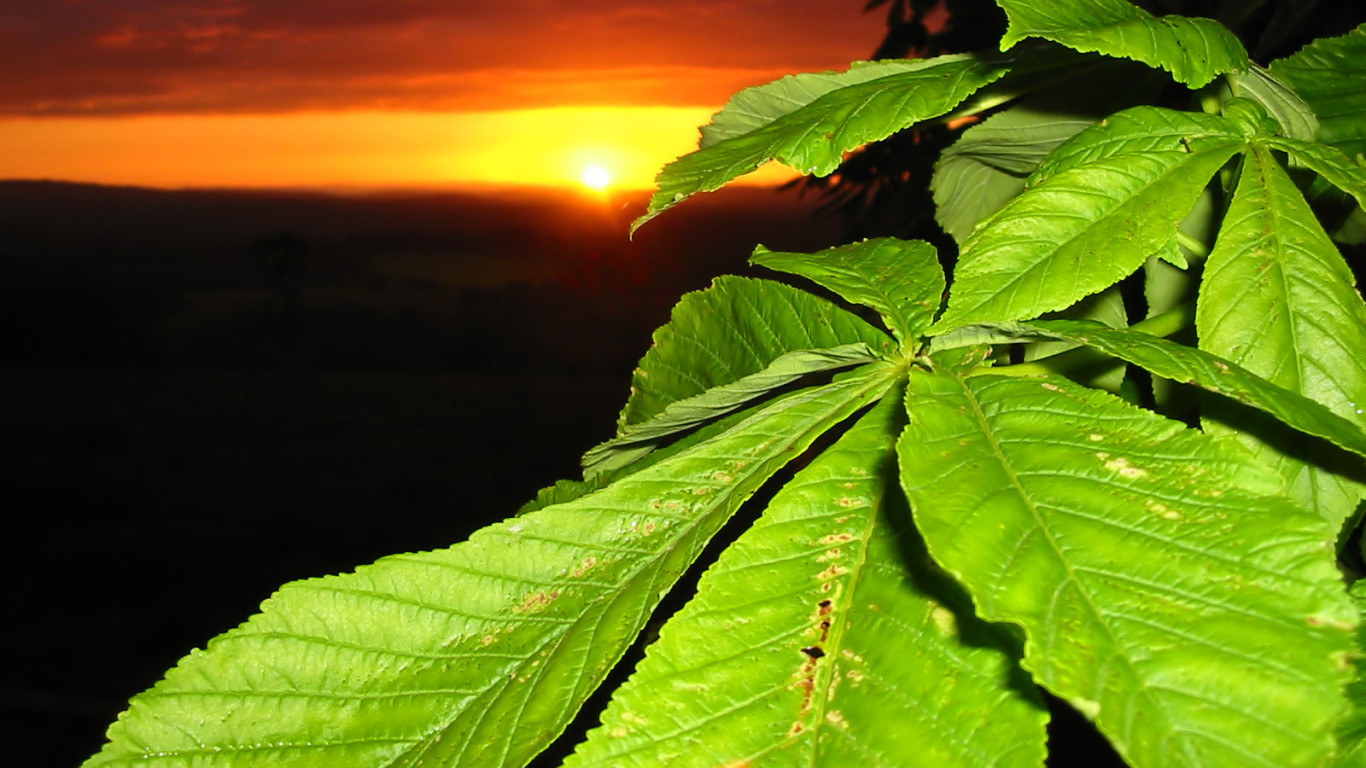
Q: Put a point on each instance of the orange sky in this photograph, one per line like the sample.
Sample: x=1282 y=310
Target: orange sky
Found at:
x=388 y=92
x=550 y=146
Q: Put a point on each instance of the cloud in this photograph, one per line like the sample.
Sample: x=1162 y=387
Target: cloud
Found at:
x=91 y=57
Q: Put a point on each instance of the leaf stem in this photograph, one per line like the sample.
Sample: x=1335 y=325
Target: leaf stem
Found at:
x=1191 y=244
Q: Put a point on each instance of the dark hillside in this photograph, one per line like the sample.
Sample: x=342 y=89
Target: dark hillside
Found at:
x=205 y=394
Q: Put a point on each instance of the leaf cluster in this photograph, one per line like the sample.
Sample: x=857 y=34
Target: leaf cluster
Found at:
x=1015 y=483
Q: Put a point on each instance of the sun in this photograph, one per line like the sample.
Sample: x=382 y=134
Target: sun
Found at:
x=596 y=177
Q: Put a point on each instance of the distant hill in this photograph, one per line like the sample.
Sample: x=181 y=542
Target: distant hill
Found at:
x=119 y=275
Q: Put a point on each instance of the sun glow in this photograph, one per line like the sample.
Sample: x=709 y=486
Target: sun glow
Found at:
x=596 y=177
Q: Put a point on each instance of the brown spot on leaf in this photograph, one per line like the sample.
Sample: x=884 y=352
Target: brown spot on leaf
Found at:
x=832 y=572
x=535 y=602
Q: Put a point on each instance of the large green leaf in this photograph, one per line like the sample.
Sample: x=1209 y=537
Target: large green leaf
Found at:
x=1330 y=75
x=1165 y=587
x=813 y=138
x=900 y=279
x=1105 y=201
x=988 y=164
x=736 y=328
x=477 y=655
x=1194 y=51
x=637 y=440
x=1277 y=299
x=825 y=637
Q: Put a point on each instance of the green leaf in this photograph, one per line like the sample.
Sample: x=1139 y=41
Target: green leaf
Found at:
x=1352 y=731
x=1277 y=299
x=1205 y=370
x=637 y=440
x=736 y=328
x=824 y=636
x=1327 y=161
x=813 y=138
x=1138 y=130
x=988 y=164
x=1194 y=51
x=900 y=279
x=1105 y=201
x=477 y=655
x=1295 y=117
x=1330 y=75
x=755 y=107
x=1165 y=589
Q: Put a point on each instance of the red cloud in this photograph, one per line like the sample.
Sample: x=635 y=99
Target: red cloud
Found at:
x=81 y=57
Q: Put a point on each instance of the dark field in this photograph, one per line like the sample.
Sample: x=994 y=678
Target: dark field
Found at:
x=204 y=395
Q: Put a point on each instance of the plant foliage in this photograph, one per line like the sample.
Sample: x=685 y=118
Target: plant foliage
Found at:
x=968 y=520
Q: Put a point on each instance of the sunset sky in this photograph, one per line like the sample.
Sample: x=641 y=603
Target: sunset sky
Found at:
x=178 y=93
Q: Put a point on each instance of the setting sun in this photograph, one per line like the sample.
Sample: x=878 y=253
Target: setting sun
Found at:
x=596 y=177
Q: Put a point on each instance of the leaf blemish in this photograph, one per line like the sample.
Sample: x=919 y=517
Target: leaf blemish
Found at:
x=1121 y=466
x=944 y=620
x=1162 y=510
x=535 y=602
x=832 y=572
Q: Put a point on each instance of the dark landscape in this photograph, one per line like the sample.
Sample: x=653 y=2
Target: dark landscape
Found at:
x=204 y=394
